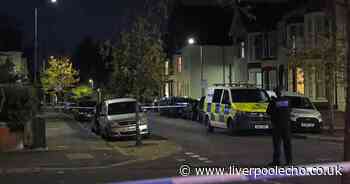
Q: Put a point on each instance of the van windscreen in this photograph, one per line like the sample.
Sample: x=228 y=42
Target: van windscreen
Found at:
x=249 y=95
x=121 y=108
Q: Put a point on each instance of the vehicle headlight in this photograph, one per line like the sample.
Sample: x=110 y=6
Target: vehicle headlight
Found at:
x=319 y=116
x=113 y=124
x=293 y=116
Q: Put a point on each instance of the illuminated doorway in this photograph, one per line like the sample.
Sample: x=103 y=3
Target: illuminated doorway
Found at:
x=300 y=80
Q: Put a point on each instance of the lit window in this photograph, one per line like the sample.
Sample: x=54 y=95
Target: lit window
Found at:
x=179 y=64
x=242 y=50
x=300 y=81
x=294 y=42
x=167 y=68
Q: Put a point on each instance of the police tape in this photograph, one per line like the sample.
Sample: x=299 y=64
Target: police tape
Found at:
x=163 y=107
x=64 y=107
x=142 y=107
x=231 y=178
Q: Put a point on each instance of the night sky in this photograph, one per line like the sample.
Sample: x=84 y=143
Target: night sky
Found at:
x=63 y=26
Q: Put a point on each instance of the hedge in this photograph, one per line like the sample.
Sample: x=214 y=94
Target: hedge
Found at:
x=20 y=106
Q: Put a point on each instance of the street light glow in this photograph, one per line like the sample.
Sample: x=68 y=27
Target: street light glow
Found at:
x=191 y=41
x=53 y=1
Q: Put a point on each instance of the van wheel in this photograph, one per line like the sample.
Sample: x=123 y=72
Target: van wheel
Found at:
x=210 y=129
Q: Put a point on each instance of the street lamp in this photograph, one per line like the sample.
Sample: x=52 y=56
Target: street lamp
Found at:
x=36 y=40
x=91 y=81
x=192 y=41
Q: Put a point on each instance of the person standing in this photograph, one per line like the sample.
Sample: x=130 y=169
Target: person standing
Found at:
x=279 y=111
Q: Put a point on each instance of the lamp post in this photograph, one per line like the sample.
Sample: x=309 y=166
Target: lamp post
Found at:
x=36 y=44
x=192 y=41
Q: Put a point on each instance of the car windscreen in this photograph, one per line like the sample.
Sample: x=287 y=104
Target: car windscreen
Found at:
x=300 y=103
x=249 y=96
x=121 y=108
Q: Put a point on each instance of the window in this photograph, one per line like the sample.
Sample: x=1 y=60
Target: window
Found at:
x=273 y=43
x=318 y=29
x=294 y=42
x=283 y=37
x=309 y=35
x=320 y=86
x=300 y=103
x=217 y=95
x=258 y=47
x=300 y=81
x=167 y=68
x=309 y=25
x=179 y=64
x=122 y=108
x=251 y=48
x=259 y=79
x=167 y=89
x=249 y=95
x=226 y=98
x=255 y=77
x=300 y=32
x=242 y=50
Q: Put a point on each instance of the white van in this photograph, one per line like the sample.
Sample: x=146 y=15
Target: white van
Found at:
x=117 y=118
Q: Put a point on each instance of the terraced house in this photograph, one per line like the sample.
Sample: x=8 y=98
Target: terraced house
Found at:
x=289 y=47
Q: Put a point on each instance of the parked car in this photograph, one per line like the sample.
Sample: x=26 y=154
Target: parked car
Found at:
x=117 y=118
x=163 y=102
x=85 y=111
x=178 y=103
x=304 y=115
x=69 y=106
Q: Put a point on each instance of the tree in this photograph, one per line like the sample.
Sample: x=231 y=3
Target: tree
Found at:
x=7 y=73
x=59 y=77
x=82 y=91
x=237 y=30
x=18 y=103
x=106 y=67
x=138 y=61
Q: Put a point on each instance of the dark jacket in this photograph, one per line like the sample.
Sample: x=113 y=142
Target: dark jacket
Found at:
x=279 y=111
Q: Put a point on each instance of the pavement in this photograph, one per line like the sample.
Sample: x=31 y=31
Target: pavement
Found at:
x=69 y=147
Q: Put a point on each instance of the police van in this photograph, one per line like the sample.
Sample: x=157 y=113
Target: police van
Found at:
x=236 y=107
